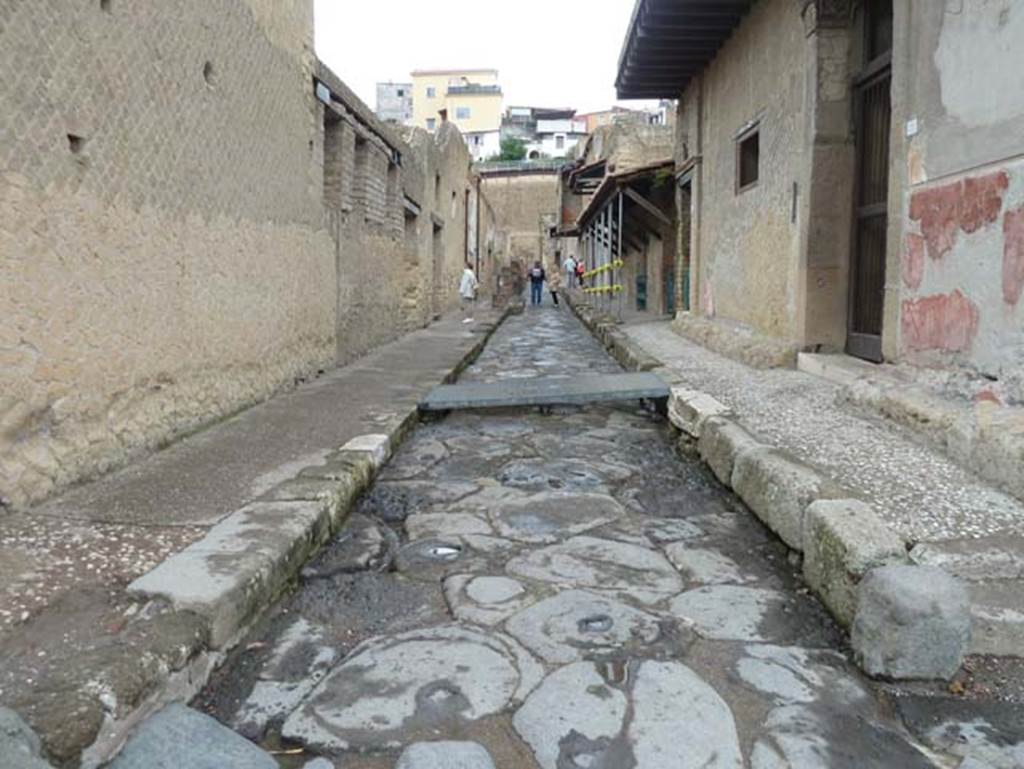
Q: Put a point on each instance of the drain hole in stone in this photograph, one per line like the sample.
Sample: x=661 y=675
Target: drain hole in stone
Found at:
x=444 y=552
x=596 y=623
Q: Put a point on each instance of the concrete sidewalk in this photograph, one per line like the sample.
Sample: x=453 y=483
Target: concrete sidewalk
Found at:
x=79 y=653
x=950 y=516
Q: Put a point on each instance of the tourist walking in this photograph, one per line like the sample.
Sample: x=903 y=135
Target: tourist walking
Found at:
x=467 y=292
x=537 y=277
x=555 y=285
x=569 y=265
x=580 y=270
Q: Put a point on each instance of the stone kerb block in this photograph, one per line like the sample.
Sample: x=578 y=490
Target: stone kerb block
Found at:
x=778 y=489
x=843 y=540
x=690 y=409
x=912 y=622
x=240 y=565
x=376 y=445
x=721 y=442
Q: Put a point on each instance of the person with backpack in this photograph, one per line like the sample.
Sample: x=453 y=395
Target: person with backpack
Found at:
x=536 y=276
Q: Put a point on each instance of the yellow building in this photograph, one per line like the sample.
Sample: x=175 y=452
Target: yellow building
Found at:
x=472 y=100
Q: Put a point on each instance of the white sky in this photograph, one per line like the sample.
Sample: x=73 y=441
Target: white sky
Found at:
x=548 y=53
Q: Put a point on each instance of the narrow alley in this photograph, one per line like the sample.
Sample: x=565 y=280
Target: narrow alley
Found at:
x=564 y=591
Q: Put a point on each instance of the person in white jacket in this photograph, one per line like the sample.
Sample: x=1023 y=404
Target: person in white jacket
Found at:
x=467 y=292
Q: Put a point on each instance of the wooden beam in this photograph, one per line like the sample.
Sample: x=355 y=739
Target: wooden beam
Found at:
x=645 y=204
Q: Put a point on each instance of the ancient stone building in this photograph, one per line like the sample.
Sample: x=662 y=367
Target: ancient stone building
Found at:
x=618 y=216
x=195 y=214
x=527 y=204
x=852 y=174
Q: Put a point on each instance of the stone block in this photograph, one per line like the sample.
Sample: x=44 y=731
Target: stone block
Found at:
x=912 y=622
x=721 y=442
x=19 y=745
x=377 y=445
x=843 y=540
x=181 y=738
x=445 y=755
x=778 y=488
x=997 y=614
x=689 y=409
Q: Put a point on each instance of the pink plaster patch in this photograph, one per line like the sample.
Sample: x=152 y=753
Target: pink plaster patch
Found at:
x=1013 y=255
x=941 y=322
x=982 y=200
x=935 y=209
x=966 y=205
x=987 y=396
x=913 y=261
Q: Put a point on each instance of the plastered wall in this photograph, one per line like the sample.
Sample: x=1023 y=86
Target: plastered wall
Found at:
x=748 y=243
x=956 y=267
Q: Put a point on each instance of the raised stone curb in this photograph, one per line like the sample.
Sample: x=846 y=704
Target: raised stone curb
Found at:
x=912 y=622
x=690 y=409
x=778 y=488
x=843 y=540
x=721 y=443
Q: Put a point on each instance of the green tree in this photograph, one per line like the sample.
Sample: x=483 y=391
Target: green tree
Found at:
x=511 y=149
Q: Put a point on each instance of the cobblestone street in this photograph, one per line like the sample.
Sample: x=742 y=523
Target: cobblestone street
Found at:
x=564 y=591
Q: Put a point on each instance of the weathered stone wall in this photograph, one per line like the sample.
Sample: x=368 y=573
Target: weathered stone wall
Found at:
x=628 y=145
x=526 y=205
x=397 y=268
x=956 y=266
x=747 y=244
x=186 y=227
x=162 y=257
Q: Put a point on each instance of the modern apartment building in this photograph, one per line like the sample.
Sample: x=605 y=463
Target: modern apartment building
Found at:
x=394 y=102
x=471 y=99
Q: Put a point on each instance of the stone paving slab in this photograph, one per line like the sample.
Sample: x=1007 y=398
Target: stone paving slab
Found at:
x=546 y=391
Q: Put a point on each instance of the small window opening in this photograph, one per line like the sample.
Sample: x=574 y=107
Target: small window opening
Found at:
x=76 y=144
x=748 y=159
x=209 y=74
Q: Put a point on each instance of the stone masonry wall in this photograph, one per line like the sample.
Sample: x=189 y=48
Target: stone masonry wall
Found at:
x=526 y=204
x=162 y=256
